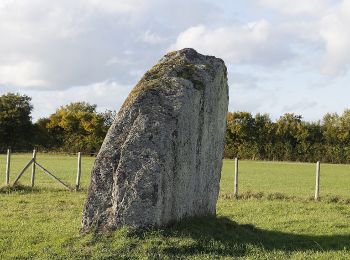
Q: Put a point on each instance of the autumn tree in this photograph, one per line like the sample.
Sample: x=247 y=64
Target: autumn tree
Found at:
x=75 y=127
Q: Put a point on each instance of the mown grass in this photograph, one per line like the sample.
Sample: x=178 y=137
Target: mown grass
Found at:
x=62 y=166
x=274 y=218
x=291 y=179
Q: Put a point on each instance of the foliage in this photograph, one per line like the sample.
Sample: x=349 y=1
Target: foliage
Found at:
x=288 y=138
x=79 y=127
x=75 y=127
x=15 y=121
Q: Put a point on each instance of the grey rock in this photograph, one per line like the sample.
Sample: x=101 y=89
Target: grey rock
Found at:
x=161 y=159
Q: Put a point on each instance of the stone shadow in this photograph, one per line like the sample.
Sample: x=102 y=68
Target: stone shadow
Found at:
x=223 y=237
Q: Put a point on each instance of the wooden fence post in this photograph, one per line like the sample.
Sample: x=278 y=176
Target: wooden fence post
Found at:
x=235 y=191
x=21 y=173
x=317 y=188
x=77 y=183
x=33 y=168
x=8 y=161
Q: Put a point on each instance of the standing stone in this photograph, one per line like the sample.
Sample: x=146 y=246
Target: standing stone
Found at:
x=161 y=159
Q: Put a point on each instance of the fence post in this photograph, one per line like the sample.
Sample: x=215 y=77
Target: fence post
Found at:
x=8 y=161
x=317 y=188
x=33 y=168
x=77 y=183
x=235 y=191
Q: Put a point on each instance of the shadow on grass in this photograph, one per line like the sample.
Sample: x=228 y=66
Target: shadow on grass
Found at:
x=224 y=237
x=23 y=189
x=18 y=189
x=280 y=196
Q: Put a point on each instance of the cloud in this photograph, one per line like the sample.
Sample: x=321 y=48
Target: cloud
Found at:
x=152 y=38
x=334 y=30
x=252 y=43
x=62 y=51
x=322 y=23
x=300 y=106
x=23 y=74
x=244 y=81
x=297 y=6
x=65 y=40
x=120 y=6
x=105 y=94
x=74 y=43
x=254 y=100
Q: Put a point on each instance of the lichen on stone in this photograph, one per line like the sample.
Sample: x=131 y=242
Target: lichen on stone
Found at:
x=173 y=64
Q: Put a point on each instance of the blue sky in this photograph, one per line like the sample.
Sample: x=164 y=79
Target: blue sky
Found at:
x=282 y=56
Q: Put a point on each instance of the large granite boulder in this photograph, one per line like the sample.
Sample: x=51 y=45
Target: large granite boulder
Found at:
x=161 y=159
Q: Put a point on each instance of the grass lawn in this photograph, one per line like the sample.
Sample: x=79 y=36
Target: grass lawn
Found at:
x=274 y=218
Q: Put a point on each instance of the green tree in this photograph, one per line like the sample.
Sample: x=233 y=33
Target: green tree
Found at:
x=290 y=132
x=15 y=121
x=264 y=132
x=240 y=135
x=331 y=128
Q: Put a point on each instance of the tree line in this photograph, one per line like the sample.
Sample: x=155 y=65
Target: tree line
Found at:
x=288 y=138
x=73 y=127
x=79 y=127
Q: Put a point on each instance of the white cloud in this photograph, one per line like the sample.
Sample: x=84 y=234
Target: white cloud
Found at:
x=59 y=45
x=334 y=29
x=23 y=74
x=297 y=6
x=322 y=24
x=84 y=41
x=254 y=43
x=105 y=94
x=152 y=38
x=300 y=106
x=72 y=41
x=121 y=6
x=243 y=81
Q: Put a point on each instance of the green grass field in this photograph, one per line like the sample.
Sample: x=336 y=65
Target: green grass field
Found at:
x=274 y=218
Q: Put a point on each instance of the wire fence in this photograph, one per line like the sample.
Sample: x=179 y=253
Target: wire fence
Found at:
x=65 y=169
x=239 y=177
x=317 y=183
x=48 y=152
x=285 y=180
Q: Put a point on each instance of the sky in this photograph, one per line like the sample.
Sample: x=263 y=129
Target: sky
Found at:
x=282 y=56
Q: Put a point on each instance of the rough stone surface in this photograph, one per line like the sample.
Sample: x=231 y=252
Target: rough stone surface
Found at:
x=161 y=159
